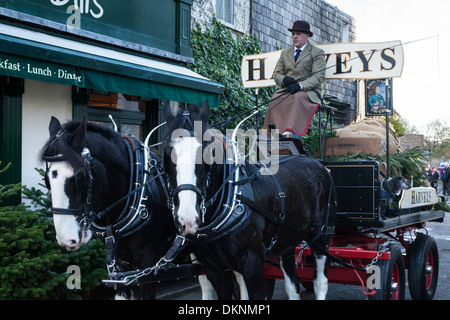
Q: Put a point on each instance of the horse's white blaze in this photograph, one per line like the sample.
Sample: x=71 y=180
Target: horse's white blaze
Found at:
x=288 y=285
x=184 y=153
x=321 y=282
x=66 y=226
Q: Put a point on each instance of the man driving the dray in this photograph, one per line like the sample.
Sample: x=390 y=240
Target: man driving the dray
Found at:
x=300 y=71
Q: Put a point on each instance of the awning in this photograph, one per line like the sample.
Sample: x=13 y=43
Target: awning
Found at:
x=34 y=55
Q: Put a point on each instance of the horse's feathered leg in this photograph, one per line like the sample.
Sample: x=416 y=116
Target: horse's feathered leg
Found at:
x=253 y=276
x=270 y=287
x=208 y=292
x=320 y=279
x=242 y=287
x=223 y=283
x=291 y=279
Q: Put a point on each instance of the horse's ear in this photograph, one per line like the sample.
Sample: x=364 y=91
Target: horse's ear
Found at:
x=204 y=111
x=168 y=114
x=78 y=136
x=54 y=126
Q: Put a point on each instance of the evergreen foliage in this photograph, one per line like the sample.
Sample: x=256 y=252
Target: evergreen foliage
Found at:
x=32 y=264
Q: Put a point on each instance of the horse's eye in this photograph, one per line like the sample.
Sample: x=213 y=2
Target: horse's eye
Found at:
x=54 y=174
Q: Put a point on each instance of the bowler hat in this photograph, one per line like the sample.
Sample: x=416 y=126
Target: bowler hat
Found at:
x=301 y=26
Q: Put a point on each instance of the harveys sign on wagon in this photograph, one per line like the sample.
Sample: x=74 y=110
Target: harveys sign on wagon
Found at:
x=417 y=197
x=344 y=61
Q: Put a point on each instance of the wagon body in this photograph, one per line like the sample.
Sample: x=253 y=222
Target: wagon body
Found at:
x=364 y=237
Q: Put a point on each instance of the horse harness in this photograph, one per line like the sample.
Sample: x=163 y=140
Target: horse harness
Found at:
x=225 y=219
x=141 y=194
x=142 y=191
x=228 y=216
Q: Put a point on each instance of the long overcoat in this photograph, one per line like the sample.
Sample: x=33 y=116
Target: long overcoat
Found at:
x=296 y=111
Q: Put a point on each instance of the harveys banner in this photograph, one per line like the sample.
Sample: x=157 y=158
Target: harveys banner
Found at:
x=344 y=61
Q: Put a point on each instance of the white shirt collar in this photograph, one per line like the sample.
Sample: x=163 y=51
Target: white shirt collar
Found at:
x=302 y=48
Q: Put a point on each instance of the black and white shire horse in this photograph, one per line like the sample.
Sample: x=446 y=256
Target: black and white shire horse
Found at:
x=84 y=182
x=239 y=241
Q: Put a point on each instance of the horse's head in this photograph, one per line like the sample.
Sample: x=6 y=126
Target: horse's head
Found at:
x=188 y=173
x=73 y=177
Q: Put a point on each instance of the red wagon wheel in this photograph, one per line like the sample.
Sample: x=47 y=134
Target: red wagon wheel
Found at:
x=423 y=268
x=392 y=272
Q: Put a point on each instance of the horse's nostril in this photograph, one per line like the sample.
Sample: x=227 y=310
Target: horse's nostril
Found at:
x=190 y=227
x=72 y=244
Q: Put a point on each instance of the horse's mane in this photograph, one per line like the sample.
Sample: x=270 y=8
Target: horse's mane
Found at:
x=62 y=146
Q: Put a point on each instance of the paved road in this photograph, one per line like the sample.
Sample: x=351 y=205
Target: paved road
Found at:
x=189 y=290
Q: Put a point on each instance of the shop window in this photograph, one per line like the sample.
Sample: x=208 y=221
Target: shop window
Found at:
x=116 y=101
x=133 y=115
x=345 y=34
x=225 y=10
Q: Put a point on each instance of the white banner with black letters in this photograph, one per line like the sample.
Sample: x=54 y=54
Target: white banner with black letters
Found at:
x=344 y=61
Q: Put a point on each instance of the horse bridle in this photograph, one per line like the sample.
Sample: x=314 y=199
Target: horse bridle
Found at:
x=88 y=217
x=219 y=218
x=191 y=187
x=86 y=213
x=187 y=124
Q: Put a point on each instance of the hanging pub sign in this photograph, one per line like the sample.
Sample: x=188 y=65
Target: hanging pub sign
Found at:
x=378 y=97
x=344 y=61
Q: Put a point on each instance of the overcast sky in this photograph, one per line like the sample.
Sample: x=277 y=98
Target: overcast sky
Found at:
x=422 y=93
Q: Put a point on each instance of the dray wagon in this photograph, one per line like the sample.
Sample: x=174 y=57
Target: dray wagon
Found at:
x=374 y=242
x=382 y=248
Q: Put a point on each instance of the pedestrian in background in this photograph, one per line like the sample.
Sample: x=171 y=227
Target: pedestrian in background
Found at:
x=434 y=178
x=428 y=174
x=445 y=179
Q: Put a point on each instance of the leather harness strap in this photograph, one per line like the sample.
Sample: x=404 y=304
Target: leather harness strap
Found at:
x=183 y=187
x=281 y=215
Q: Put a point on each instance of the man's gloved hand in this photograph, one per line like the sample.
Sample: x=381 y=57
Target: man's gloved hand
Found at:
x=294 y=87
x=287 y=81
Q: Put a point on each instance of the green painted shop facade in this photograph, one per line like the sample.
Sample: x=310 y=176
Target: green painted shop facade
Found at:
x=90 y=58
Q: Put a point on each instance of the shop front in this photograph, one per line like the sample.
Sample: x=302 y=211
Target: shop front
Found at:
x=93 y=59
